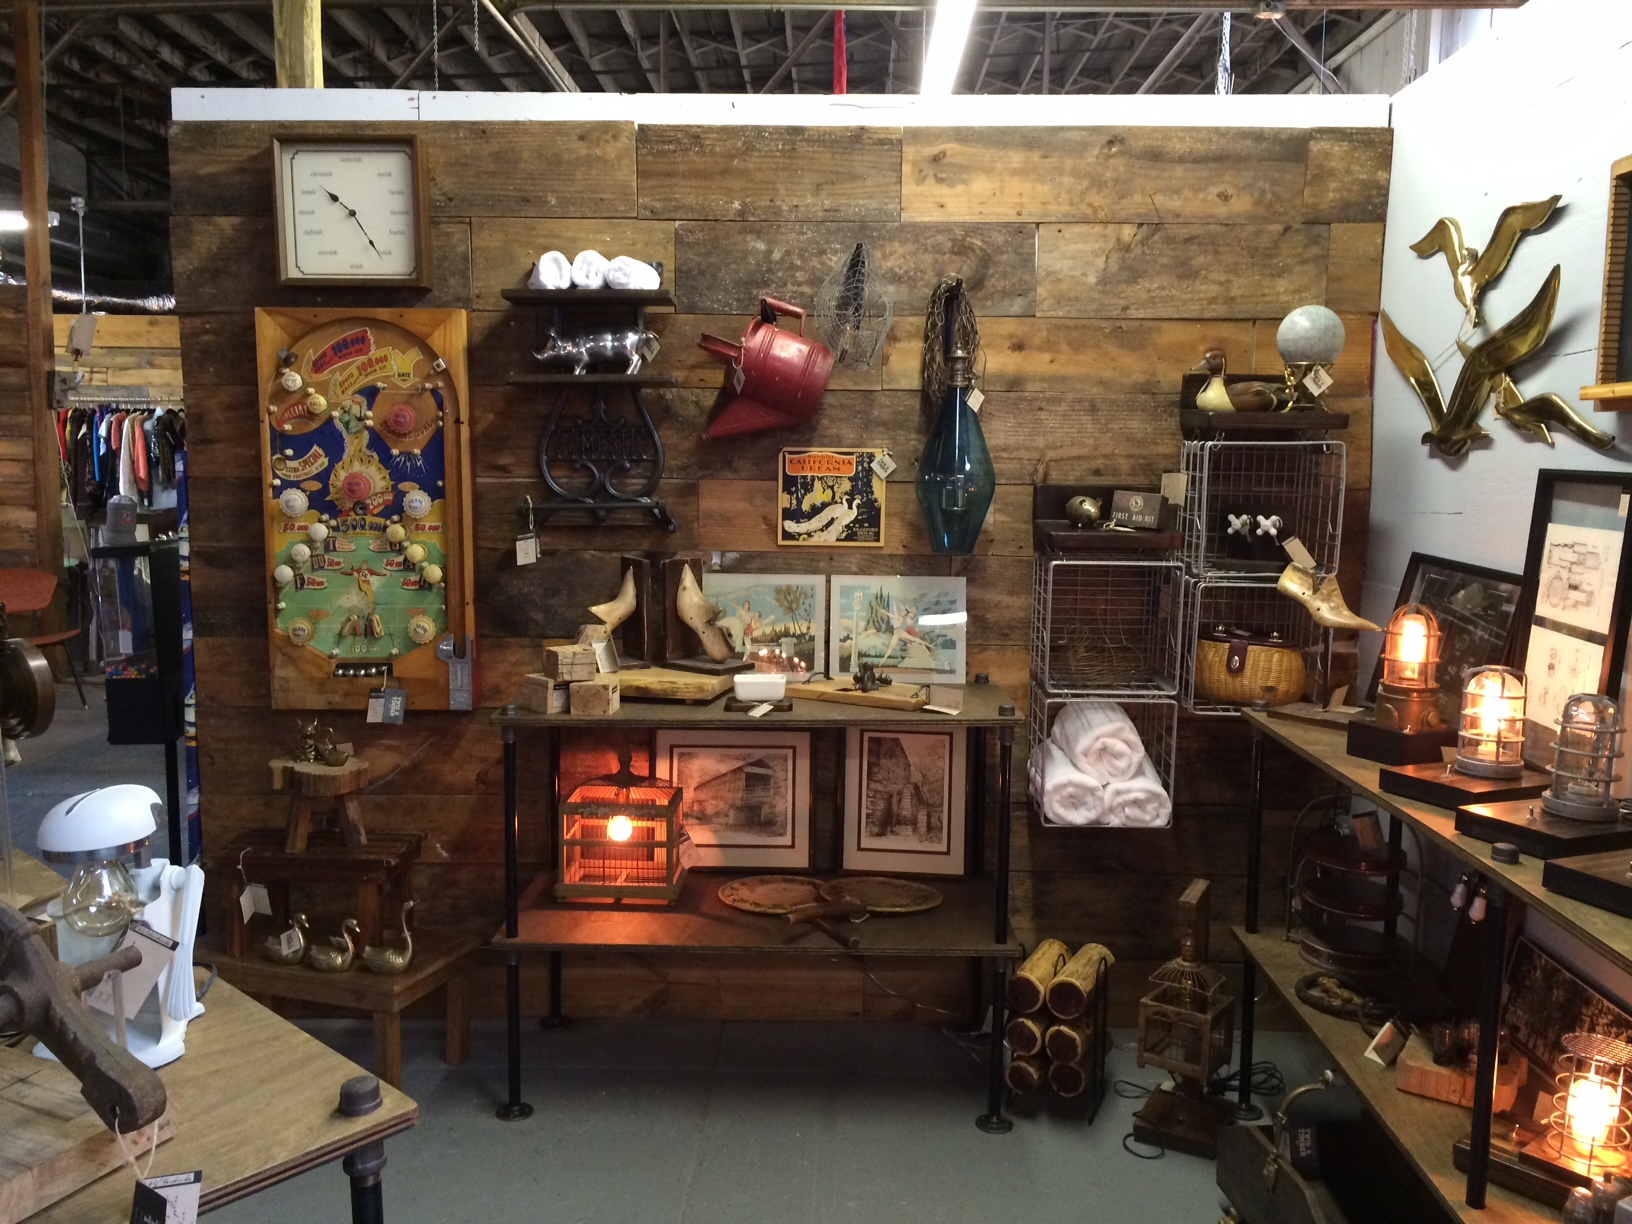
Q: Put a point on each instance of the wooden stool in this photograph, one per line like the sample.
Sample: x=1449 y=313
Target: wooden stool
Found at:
x=315 y=780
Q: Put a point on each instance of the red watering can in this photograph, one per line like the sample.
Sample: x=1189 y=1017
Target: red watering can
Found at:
x=777 y=378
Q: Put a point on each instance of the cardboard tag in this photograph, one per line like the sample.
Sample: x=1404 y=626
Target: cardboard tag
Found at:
x=975 y=399
x=1317 y=380
x=1174 y=487
x=1387 y=1045
x=345 y=748
x=157 y=951
x=1335 y=702
x=1300 y=555
x=526 y=549
x=760 y=710
x=253 y=900
x=387 y=705
x=606 y=656
x=172 y=1199
x=1368 y=831
x=736 y=380
x=289 y=942
x=685 y=853
x=883 y=465
x=945 y=699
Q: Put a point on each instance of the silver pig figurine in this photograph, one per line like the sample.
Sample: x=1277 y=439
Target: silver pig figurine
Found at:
x=628 y=345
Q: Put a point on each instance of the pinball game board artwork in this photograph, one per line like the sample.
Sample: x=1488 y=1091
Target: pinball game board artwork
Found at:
x=365 y=451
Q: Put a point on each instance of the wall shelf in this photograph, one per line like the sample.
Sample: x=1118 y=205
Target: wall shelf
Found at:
x=594 y=380
x=589 y=297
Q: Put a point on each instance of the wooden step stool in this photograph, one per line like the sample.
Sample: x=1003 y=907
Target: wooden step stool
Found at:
x=308 y=780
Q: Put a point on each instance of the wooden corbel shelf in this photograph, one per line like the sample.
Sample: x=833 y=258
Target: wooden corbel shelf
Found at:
x=1609 y=397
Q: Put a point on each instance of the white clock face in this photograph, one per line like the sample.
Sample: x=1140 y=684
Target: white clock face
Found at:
x=348 y=212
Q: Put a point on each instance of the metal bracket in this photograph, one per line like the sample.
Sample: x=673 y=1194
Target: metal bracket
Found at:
x=460 y=696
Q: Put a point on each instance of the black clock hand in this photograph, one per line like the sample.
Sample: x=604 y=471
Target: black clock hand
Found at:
x=352 y=213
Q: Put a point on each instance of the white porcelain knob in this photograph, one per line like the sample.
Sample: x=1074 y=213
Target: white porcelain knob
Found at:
x=430 y=575
x=290 y=380
x=283 y=575
x=414 y=552
x=395 y=533
x=300 y=554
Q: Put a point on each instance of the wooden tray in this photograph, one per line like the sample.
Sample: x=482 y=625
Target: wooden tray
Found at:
x=1432 y=783
x=770 y=894
x=668 y=684
x=883 y=894
x=897 y=696
x=1604 y=880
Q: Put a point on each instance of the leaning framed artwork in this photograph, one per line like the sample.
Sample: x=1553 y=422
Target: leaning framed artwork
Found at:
x=909 y=628
x=747 y=795
x=1577 y=601
x=786 y=612
x=832 y=498
x=904 y=801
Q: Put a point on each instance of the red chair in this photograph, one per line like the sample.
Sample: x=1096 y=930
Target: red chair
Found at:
x=30 y=591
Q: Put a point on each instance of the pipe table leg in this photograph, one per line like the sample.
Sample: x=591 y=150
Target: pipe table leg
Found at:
x=1490 y=1019
x=514 y=1109
x=992 y=1121
x=363 y=1167
x=555 y=1020
x=1244 y=1108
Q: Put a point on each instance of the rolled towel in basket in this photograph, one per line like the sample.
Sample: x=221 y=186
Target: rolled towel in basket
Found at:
x=1100 y=739
x=1139 y=802
x=551 y=272
x=1069 y=796
x=589 y=270
x=627 y=273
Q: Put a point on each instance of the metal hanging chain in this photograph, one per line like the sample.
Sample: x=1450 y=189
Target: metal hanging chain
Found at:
x=1226 y=76
x=965 y=335
x=476 y=25
x=436 y=47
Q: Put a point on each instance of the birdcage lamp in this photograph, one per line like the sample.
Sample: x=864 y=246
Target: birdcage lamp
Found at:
x=1590 y=1126
x=1490 y=739
x=1405 y=728
x=621 y=837
x=1588 y=745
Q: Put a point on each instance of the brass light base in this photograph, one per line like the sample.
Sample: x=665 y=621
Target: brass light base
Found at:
x=1180 y=1123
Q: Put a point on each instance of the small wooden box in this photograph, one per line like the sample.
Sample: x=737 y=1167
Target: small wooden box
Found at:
x=542 y=695
x=594 y=697
x=569 y=663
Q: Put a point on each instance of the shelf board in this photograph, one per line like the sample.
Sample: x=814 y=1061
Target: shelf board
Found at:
x=1609 y=397
x=590 y=380
x=1204 y=422
x=589 y=297
x=1424 y=1130
x=700 y=922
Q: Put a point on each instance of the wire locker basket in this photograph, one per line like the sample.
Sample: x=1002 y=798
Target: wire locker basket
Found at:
x=1106 y=626
x=1246 y=499
x=1237 y=602
x=1155 y=718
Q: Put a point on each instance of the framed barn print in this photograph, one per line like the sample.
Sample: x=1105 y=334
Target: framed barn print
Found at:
x=747 y=795
x=904 y=801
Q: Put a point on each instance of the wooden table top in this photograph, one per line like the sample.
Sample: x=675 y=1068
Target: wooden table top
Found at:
x=1423 y=1129
x=33 y=883
x=980 y=709
x=255 y=1104
x=1325 y=747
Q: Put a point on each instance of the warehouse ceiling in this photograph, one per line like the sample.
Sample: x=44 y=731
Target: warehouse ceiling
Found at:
x=110 y=67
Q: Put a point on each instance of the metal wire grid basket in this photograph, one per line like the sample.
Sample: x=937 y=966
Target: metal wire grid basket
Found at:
x=1238 y=601
x=1155 y=718
x=1106 y=627
x=1300 y=483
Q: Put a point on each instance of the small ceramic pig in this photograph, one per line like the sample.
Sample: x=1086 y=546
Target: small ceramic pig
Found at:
x=626 y=345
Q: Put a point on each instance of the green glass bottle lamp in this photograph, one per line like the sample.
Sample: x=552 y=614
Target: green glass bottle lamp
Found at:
x=956 y=480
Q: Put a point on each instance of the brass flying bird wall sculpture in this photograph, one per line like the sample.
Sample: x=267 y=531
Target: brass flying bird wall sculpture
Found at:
x=1473 y=269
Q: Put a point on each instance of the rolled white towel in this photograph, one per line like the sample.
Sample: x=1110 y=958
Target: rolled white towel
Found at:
x=627 y=273
x=1100 y=739
x=552 y=271
x=589 y=270
x=1069 y=796
x=1139 y=802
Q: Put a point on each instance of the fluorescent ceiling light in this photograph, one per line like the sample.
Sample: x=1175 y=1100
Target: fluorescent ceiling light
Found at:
x=12 y=220
x=946 y=43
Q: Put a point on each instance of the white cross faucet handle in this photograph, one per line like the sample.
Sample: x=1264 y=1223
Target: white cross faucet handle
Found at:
x=1270 y=526
x=1240 y=524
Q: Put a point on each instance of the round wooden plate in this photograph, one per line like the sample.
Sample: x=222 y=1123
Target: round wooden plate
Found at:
x=770 y=894
x=883 y=894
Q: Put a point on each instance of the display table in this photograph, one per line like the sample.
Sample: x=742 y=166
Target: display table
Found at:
x=972 y=921
x=440 y=962
x=1520 y=883
x=32 y=882
x=255 y=1104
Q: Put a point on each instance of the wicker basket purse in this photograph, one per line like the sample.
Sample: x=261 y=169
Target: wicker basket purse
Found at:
x=1234 y=667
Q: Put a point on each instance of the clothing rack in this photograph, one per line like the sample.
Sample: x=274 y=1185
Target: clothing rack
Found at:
x=84 y=399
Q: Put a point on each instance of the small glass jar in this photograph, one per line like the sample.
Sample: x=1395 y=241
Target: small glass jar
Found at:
x=1588 y=744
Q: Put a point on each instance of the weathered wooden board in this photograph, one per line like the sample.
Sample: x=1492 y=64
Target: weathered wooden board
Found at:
x=503 y=250
x=842 y=690
x=726 y=267
x=1142 y=271
x=124 y=331
x=769 y=174
x=1354 y=267
x=1147 y=174
x=667 y=684
x=1348 y=174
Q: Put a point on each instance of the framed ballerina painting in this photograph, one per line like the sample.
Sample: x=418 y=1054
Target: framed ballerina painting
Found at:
x=909 y=628
x=786 y=612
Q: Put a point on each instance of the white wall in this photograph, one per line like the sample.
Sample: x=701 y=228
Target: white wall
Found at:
x=1537 y=103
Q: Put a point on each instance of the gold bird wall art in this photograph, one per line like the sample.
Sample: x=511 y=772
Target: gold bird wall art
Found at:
x=1472 y=269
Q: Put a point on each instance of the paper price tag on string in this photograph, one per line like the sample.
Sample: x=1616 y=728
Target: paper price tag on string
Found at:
x=387 y=705
x=253 y=900
x=1299 y=554
x=289 y=942
x=760 y=710
x=883 y=465
x=157 y=951
x=737 y=380
x=526 y=549
x=976 y=399
x=1317 y=380
x=172 y=1199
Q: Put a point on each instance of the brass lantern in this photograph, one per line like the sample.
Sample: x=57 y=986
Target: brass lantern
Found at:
x=1407 y=695
x=1490 y=743
x=1589 y=742
x=620 y=839
x=1588 y=1130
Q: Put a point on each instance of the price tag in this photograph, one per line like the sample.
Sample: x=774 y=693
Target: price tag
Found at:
x=526 y=548
x=1299 y=554
x=883 y=465
x=172 y=1199
x=289 y=942
x=253 y=900
x=975 y=399
x=1317 y=380
x=737 y=380
x=760 y=710
x=685 y=853
x=387 y=705
x=157 y=951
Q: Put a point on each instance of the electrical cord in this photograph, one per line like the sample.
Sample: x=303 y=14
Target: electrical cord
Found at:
x=1266 y=1081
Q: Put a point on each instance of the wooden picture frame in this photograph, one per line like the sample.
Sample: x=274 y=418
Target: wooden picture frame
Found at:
x=1613 y=391
x=912 y=628
x=747 y=795
x=1572 y=624
x=895 y=782
x=1477 y=609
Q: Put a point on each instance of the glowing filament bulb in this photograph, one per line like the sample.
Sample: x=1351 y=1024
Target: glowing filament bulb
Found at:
x=1413 y=647
x=620 y=828
x=1591 y=1108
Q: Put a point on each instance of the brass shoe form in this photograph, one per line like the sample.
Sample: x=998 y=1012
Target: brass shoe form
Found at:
x=1324 y=600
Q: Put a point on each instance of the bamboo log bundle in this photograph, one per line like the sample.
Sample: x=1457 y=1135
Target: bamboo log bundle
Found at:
x=1070 y=989
x=1025 y=1075
x=1067 y=1079
x=1030 y=982
x=1023 y=1035
x=1069 y=1043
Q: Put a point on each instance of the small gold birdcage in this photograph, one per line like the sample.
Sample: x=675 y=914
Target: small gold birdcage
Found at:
x=620 y=839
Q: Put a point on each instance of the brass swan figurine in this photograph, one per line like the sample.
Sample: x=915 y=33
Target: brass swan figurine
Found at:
x=272 y=945
x=394 y=960
x=337 y=958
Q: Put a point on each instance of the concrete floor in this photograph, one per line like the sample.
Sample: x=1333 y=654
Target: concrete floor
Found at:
x=682 y=1122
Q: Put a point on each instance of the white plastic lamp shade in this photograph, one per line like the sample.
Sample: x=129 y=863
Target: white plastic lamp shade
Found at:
x=946 y=43
x=113 y=822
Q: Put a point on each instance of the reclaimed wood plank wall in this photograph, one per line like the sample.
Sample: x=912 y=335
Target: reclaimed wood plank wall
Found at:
x=1101 y=262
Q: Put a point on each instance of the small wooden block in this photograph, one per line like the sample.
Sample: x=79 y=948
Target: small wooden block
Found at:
x=542 y=695
x=897 y=696
x=569 y=663
x=1415 y=1072
x=594 y=698
x=668 y=684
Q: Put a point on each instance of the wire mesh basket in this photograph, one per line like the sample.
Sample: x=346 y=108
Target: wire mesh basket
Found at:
x=1246 y=499
x=1238 y=602
x=1106 y=627
x=1155 y=718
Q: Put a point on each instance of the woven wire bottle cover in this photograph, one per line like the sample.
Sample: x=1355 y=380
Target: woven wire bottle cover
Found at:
x=853 y=313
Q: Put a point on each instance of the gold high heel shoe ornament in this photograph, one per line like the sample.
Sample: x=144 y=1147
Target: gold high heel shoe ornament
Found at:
x=1323 y=598
x=393 y=960
x=337 y=958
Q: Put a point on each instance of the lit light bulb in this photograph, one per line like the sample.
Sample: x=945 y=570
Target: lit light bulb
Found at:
x=101 y=899
x=1590 y=1111
x=620 y=828
x=1413 y=647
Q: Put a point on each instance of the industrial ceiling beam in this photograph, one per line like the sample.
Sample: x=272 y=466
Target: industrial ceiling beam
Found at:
x=1294 y=35
x=1176 y=53
x=580 y=38
x=240 y=66
x=742 y=51
x=627 y=20
x=144 y=40
x=690 y=46
x=64 y=8
x=794 y=56
x=245 y=28
x=520 y=29
x=49 y=58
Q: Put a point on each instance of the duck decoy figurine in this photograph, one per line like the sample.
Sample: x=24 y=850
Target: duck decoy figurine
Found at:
x=338 y=957
x=393 y=960
x=273 y=946
x=1219 y=396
